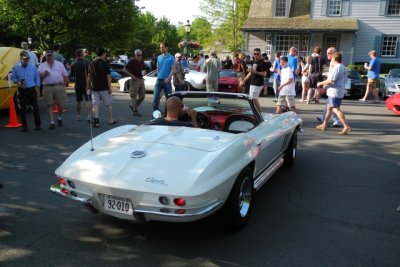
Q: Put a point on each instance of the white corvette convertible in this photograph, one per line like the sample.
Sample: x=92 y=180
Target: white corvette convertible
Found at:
x=181 y=174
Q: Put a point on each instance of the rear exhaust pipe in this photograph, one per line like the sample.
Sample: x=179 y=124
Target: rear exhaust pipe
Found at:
x=91 y=208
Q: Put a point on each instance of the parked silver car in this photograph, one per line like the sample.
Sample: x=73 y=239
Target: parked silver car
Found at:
x=195 y=80
x=390 y=84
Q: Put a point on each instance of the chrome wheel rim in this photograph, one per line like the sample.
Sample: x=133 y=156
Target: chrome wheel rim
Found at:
x=245 y=197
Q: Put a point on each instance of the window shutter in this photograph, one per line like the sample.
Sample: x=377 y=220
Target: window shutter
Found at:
x=398 y=46
x=324 y=5
x=346 y=8
x=378 y=45
x=382 y=8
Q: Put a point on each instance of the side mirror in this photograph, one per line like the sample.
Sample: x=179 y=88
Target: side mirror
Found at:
x=157 y=114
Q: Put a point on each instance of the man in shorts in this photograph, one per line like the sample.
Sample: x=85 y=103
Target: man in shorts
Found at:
x=373 y=68
x=80 y=70
x=256 y=73
x=54 y=77
x=335 y=83
x=100 y=79
x=287 y=91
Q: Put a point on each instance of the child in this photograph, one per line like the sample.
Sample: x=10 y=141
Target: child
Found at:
x=287 y=90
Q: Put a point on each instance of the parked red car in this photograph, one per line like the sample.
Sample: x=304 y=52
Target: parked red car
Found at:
x=228 y=81
x=393 y=103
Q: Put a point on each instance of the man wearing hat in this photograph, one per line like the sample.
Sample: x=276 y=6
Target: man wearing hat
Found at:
x=179 y=74
x=135 y=68
x=54 y=77
x=26 y=76
x=32 y=56
x=373 y=68
x=212 y=67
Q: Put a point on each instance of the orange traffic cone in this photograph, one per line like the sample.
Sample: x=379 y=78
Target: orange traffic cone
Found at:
x=55 y=109
x=13 y=116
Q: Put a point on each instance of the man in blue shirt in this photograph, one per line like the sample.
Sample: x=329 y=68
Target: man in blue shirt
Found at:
x=165 y=68
x=373 y=76
x=27 y=78
x=292 y=61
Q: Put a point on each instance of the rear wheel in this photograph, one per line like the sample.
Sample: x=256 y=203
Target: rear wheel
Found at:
x=126 y=86
x=291 y=150
x=189 y=87
x=238 y=206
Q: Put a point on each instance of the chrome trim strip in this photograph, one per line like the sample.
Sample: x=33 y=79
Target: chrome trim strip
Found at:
x=56 y=189
x=263 y=177
x=196 y=212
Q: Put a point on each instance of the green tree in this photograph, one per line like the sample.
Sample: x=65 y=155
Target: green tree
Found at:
x=227 y=17
x=73 y=23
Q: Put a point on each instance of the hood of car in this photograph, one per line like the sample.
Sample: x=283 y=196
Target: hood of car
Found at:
x=145 y=155
x=8 y=57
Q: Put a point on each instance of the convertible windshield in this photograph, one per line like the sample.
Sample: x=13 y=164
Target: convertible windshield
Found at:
x=211 y=103
x=231 y=113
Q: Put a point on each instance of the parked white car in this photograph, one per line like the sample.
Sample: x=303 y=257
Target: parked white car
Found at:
x=195 y=80
x=181 y=174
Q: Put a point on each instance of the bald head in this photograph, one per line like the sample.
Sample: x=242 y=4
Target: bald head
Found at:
x=174 y=106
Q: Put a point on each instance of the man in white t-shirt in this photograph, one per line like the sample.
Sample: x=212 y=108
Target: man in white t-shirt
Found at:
x=336 y=84
x=287 y=91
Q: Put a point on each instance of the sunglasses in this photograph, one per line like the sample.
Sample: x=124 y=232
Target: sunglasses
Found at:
x=256 y=54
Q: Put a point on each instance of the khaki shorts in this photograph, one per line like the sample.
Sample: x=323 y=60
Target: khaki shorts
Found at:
x=372 y=84
x=98 y=96
x=286 y=100
x=54 y=94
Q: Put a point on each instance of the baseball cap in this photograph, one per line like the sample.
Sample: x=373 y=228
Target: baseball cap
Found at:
x=178 y=55
x=24 y=54
x=372 y=52
x=49 y=52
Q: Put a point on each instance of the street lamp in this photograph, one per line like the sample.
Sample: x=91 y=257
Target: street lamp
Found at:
x=187 y=30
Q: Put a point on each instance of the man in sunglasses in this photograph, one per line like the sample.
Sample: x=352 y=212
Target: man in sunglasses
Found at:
x=256 y=74
x=26 y=76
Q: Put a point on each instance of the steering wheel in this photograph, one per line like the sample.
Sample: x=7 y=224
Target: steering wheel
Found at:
x=204 y=121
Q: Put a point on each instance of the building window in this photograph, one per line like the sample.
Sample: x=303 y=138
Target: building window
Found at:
x=268 y=45
x=280 y=8
x=389 y=45
x=305 y=44
x=393 y=8
x=285 y=42
x=334 y=7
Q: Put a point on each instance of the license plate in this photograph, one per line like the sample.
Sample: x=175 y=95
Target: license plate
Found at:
x=118 y=204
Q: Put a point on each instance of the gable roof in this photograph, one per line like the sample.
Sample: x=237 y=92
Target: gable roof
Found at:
x=261 y=18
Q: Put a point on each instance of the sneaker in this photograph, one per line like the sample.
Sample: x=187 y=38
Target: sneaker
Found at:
x=52 y=126
x=336 y=125
x=60 y=123
x=276 y=99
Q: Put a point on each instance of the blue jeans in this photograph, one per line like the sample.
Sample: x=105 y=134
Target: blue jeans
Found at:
x=334 y=117
x=160 y=85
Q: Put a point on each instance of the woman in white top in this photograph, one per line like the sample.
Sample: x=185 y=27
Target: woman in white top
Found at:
x=305 y=80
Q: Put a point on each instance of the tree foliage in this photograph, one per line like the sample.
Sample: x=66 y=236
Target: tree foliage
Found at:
x=71 y=23
x=227 y=17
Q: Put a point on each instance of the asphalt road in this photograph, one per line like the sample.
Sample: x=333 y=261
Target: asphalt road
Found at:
x=338 y=206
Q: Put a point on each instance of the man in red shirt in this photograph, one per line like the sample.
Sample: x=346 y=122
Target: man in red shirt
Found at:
x=136 y=69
